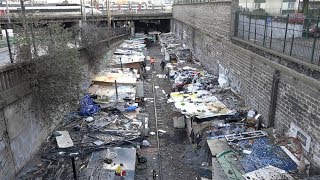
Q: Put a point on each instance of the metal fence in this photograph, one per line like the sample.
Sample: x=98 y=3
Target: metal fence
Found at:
x=294 y=35
x=95 y=34
x=192 y=1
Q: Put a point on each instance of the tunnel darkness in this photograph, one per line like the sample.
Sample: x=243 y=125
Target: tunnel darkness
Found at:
x=145 y=26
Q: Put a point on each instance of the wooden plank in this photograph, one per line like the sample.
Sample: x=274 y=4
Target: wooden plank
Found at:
x=64 y=141
x=217 y=146
x=217 y=171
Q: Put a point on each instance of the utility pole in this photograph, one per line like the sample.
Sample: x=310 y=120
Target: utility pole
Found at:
x=81 y=9
x=108 y=14
x=84 y=10
x=8 y=12
x=9 y=46
x=25 y=28
x=91 y=7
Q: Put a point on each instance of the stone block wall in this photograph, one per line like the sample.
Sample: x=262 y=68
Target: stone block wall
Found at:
x=298 y=103
x=209 y=36
x=213 y=18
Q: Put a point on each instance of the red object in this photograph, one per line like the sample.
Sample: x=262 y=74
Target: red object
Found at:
x=2 y=12
x=296 y=18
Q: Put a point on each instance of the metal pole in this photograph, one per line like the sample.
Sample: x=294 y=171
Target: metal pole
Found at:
x=236 y=24
x=8 y=42
x=121 y=64
x=81 y=9
x=249 y=27
x=274 y=97
x=85 y=14
x=285 y=35
x=243 y=26
x=8 y=11
x=116 y=86
x=292 y=40
x=271 y=34
x=265 y=30
x=74 y=168
x=108 y=15
x=91 y=7
x=255 y=29
x=314 y=42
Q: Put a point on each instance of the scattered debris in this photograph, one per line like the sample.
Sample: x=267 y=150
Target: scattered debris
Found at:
x=87 y=106
x=145 y=143
x=98 y=143
x=161 y=76
x=64 y=140
x=162 y=131
x=89 y=119
x=268 y=173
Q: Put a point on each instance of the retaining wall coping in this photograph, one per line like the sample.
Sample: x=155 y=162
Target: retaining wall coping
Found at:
x=284 y=56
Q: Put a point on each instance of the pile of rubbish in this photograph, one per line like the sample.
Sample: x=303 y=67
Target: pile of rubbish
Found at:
x=173 y=50
x=130 y=52
x=115 y=85
x=236 y=135
x=109 y=118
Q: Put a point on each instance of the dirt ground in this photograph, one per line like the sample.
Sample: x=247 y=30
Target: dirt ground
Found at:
x=178 y=159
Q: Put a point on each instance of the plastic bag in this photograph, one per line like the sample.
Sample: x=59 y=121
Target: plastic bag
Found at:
x=87 y=106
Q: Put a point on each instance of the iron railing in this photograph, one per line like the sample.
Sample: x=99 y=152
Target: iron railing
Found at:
x=192 y=1
x=11 y=76
x=293 y=35
x=93 y=35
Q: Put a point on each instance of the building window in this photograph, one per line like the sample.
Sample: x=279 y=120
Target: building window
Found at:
x=291 y=5
x=257 y=5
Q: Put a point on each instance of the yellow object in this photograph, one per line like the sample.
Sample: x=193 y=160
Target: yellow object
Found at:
x=119 y=170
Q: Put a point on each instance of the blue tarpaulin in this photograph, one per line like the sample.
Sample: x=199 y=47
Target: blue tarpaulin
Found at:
x=264 y=153
x=87 y=106
x=131 y=108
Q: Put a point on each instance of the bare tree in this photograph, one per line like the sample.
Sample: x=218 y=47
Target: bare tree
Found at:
x=51 y=62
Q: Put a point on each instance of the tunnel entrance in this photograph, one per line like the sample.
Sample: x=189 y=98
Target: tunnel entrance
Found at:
x=145 y=26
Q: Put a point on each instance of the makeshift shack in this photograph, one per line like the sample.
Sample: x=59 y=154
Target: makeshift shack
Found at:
x=250 y=158
x=201 y=109
x=115 y=85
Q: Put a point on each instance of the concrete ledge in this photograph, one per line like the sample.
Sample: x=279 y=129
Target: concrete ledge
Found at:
x=284 y=56
x=13 y=94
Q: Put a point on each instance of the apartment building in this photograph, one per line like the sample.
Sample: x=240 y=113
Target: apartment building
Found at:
x=276 y=6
